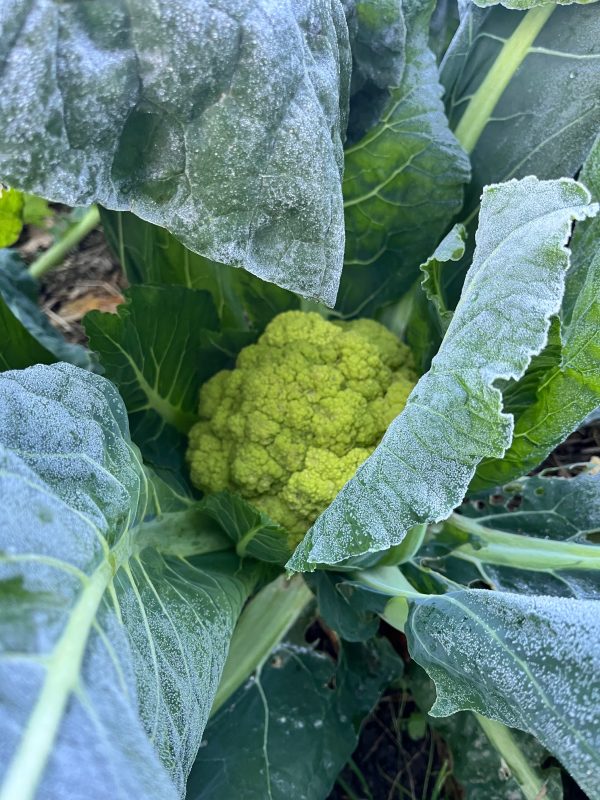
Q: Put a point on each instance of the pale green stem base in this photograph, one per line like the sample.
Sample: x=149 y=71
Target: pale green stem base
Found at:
x=261 y=626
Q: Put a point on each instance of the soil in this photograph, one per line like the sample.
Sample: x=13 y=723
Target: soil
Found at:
x=390 y=762
x=90 y=278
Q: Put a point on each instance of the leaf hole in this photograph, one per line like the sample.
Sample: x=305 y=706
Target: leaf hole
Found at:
x=515 y=502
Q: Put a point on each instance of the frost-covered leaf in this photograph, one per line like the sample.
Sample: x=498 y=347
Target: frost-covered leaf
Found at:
x=291 y=728
x=403 y=181
x=252 y=532
x=158 y=349
x=570 y=389
x=221 y=120
x=544 y=505
x=451 y=248
x=150 y=254
x=548 y=116
x=378 y=38
x=530 y=662
x=454 y=417
x=477 y=765
x=444 y=23
x=19 y=291
x=586 y=238
x=534 y=536
x=11 y=216
x=428 y=313
x=113 y=632
x=521 y=5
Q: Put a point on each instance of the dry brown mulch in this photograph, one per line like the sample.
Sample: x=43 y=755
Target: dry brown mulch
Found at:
x=90 y=278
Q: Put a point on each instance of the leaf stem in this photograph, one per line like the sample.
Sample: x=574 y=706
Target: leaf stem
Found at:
x=56 y=254
x=492 y=546
x=261 y=626
x=387 y=580
x=531 y=784
x=482 y=104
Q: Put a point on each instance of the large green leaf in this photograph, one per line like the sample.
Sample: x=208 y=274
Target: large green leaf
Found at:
x=18 y=347
x=520 y=5
x=544 y=505
x=429 y=312
x=451 y=248
x=454 y=416
x=586 y=238
x=407 y=169
x=252 y=531
x=444 y=23
x=291 y=728
x=378 y=38
x=545 y=120
x=569 y=389
x=530 y=662
x=477 y=765
x=113 y=628
x=150 y=254
x=340 y=606
x=158 y=349
x=221 y=121
x=531 y=536
x=20 y=294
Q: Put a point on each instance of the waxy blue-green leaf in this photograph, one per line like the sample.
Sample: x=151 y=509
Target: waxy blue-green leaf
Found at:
x=522 y=5
x=570 y=389
x=478 y=766
x=292 y=727
x=534 y=536
x=19 y=291
x=251 y=530
x=545 y=119
x=221 y=121
x=158 y=349
x=403 y=181
x=454 y=417
x=378 y=39
x=451 y=248
x=18 y=347
x=113 y=627
x=444 y=23
x=150 y=254
x=529 y=662
x=340 y=606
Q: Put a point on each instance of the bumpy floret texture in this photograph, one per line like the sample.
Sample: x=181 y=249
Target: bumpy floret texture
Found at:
x=301 y=411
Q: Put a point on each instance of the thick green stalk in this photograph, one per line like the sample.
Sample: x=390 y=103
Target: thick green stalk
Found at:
x=482 y=104
x=492 y=546
x=530 y=783
x=56 y=254
x=261 y=626
x=387 y=580
x=407 y=549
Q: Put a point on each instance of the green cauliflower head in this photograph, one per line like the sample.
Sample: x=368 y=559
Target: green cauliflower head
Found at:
x=301 y=411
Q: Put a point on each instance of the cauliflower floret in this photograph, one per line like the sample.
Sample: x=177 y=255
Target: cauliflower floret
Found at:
x=302 y=410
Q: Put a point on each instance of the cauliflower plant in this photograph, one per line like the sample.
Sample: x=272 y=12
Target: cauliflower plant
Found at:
x=301 y=411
